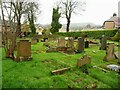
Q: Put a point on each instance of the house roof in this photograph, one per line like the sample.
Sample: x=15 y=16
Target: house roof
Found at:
x=114 y=19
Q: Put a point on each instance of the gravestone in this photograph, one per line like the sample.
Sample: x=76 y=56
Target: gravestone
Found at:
x=51 y=49
x=117 y=54
x=84 y=60
x=103 y=43
x=34 y=40
x=80 y=45
x=61 y=42
x=86 y=44
x=61 y=45
x=114 y=67
x=70 y=42
x=44 y=39
x=110 y=52
x=23 y=50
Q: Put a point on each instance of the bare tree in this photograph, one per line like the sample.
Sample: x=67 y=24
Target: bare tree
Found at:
x=31 y=10
x=7 y=28
x=71 y=6
x=18 y=10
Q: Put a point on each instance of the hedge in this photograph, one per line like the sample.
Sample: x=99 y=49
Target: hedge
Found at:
x=93 y=34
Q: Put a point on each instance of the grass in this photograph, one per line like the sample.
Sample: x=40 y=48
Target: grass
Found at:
x=0 y=68
x=37 y=72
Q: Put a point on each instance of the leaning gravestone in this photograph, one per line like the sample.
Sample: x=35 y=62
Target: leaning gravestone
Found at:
x=23 y=50
x=84 y=60
x=103 y=43
x=80 y=45
x=117 y=54
x=70 y=42
x=110 y=52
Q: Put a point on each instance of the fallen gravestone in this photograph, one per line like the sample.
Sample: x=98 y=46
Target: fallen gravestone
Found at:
x=114 y=67
x=103 y=43
x=60 y=71
x=23 y=50
x=51 y=49
x=84 y=60
x=80 y=45
x=110 y=52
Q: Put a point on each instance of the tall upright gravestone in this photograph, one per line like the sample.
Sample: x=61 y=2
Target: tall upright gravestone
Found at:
x=103 y=43
x=86 y=44
x=110 y=52
x=61 y=46
x=70 y=42
x=80 y=45
x=23 y=50
x=61 y=42
x=70 y=46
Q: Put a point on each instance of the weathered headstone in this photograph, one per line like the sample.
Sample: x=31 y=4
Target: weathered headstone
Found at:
x=117 y=54
x=34 y=40
x=23 y=50
x=61 y=46
x=80 y=45
x=103 y=43
x=70 y=42
x=84 y=60
x=61 y=42
x=110 y=52
x=86 y=44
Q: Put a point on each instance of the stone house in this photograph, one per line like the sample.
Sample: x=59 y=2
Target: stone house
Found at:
x=112 y=23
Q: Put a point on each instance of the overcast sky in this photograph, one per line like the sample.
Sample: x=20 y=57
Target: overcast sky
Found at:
x=97 y=11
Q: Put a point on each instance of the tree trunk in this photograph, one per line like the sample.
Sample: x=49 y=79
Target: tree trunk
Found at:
x=18 y=27
x=31 y=23
x=68 y=25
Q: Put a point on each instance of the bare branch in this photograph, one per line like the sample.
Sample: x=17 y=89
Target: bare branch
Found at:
x=70 y=6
